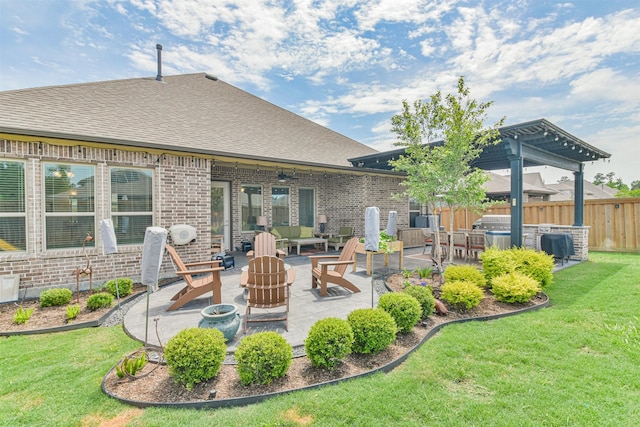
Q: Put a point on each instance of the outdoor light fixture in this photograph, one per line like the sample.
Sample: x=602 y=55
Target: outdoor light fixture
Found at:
x=580 y=150
x=261 y=222
x=322 y=220
x=556 y=138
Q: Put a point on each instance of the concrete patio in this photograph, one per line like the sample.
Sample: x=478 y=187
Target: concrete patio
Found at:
x=306 y=304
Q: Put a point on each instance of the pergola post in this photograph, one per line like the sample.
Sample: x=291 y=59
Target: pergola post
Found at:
x=578 y=200
x=515 y=159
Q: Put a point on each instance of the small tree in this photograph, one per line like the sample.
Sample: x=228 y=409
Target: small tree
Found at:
x=442 y=172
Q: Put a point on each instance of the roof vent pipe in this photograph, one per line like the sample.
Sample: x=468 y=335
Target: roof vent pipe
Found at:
x=159 y=76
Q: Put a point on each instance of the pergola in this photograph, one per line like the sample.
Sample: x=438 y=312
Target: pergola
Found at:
x=535 y=143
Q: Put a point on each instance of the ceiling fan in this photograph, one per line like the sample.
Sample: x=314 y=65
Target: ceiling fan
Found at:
x=283 y=177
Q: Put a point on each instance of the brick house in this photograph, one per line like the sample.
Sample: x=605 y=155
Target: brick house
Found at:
x=185 y=149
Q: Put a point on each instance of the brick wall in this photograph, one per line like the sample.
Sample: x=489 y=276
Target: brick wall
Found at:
x=182 y=195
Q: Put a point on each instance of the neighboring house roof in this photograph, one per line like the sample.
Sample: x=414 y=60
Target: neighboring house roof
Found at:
x=591 y=191
x=501 y=184
x=194 y=113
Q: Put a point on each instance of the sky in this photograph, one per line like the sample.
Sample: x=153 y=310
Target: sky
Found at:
x=349 y=64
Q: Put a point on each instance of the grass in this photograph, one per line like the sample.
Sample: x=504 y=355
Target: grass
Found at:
x=576 y=363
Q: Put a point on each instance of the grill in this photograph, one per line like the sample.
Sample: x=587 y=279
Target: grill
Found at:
x=493 y=223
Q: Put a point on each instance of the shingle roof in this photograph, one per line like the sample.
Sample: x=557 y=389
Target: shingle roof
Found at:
x=500 y=184
x=190 y=112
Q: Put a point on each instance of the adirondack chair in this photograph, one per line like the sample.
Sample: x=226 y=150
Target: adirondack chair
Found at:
x=265 y=244
x=267 y=284
x=323 y=275
x=196 y=286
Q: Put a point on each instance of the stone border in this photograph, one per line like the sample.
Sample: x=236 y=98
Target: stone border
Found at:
x=248 y=400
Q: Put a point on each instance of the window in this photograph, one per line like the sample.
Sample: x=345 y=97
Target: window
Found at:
x=131 y=203
x=280 y=206
x=69 y=204
x=251 y=205
x=12 y=206
x=307 y=207
x=415 y=209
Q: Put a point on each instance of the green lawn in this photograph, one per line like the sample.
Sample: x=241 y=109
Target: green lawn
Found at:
x=576 y=363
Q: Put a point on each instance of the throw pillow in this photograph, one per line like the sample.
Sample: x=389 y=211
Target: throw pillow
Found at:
x=306 y=232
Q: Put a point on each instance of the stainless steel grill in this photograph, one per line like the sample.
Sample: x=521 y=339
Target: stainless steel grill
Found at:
x=493 y=223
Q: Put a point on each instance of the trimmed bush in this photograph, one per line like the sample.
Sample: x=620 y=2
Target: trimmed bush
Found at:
x=514 y=287
x=424 y=295
x=328 y=342
x=194 y=355
x=537 y=265
x=405 y=309
x=125 y=287
x=496 y=262
x=462 y=294
x=263 y=357
x=55 y=297
x=465 y=273
x=99 y=301
x=373 y=330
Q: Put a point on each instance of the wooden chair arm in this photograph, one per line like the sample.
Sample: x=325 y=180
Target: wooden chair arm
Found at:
x=199 y=264
x=315 y=258
x=194 y=272
x=291 y=276
x=244 y=278
x=336 y=263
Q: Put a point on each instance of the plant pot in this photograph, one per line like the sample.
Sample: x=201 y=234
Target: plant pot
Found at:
x=224 y=317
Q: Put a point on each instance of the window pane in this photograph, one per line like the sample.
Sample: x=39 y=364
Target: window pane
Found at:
x=130 y=229
x=69 y=231
x=69 y=204
x=11 y=187
x=12 y=234
x=131 y=203
x=69 y=188
x=306 y=209
x=280 y=205
x=131 y=190
x=251 y=204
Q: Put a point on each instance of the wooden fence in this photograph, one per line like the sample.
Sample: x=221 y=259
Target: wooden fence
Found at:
x=614 y=223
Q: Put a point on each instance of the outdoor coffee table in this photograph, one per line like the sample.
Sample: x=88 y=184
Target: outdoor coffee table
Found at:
x=309 y=241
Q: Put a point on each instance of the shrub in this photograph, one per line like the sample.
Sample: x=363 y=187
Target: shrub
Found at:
x=462 y=294
x=125 y=287
x=73 y=311
x=496 y=262
x=99 y=300
x=373 y=330
x=514 y=287
x=194 y=355
x=263 y=357
x=465 y=273
x=404 y=308
x=328 y=342
x=55 y=297
x=424 y=295
x=22 y=316
x=537 y=265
